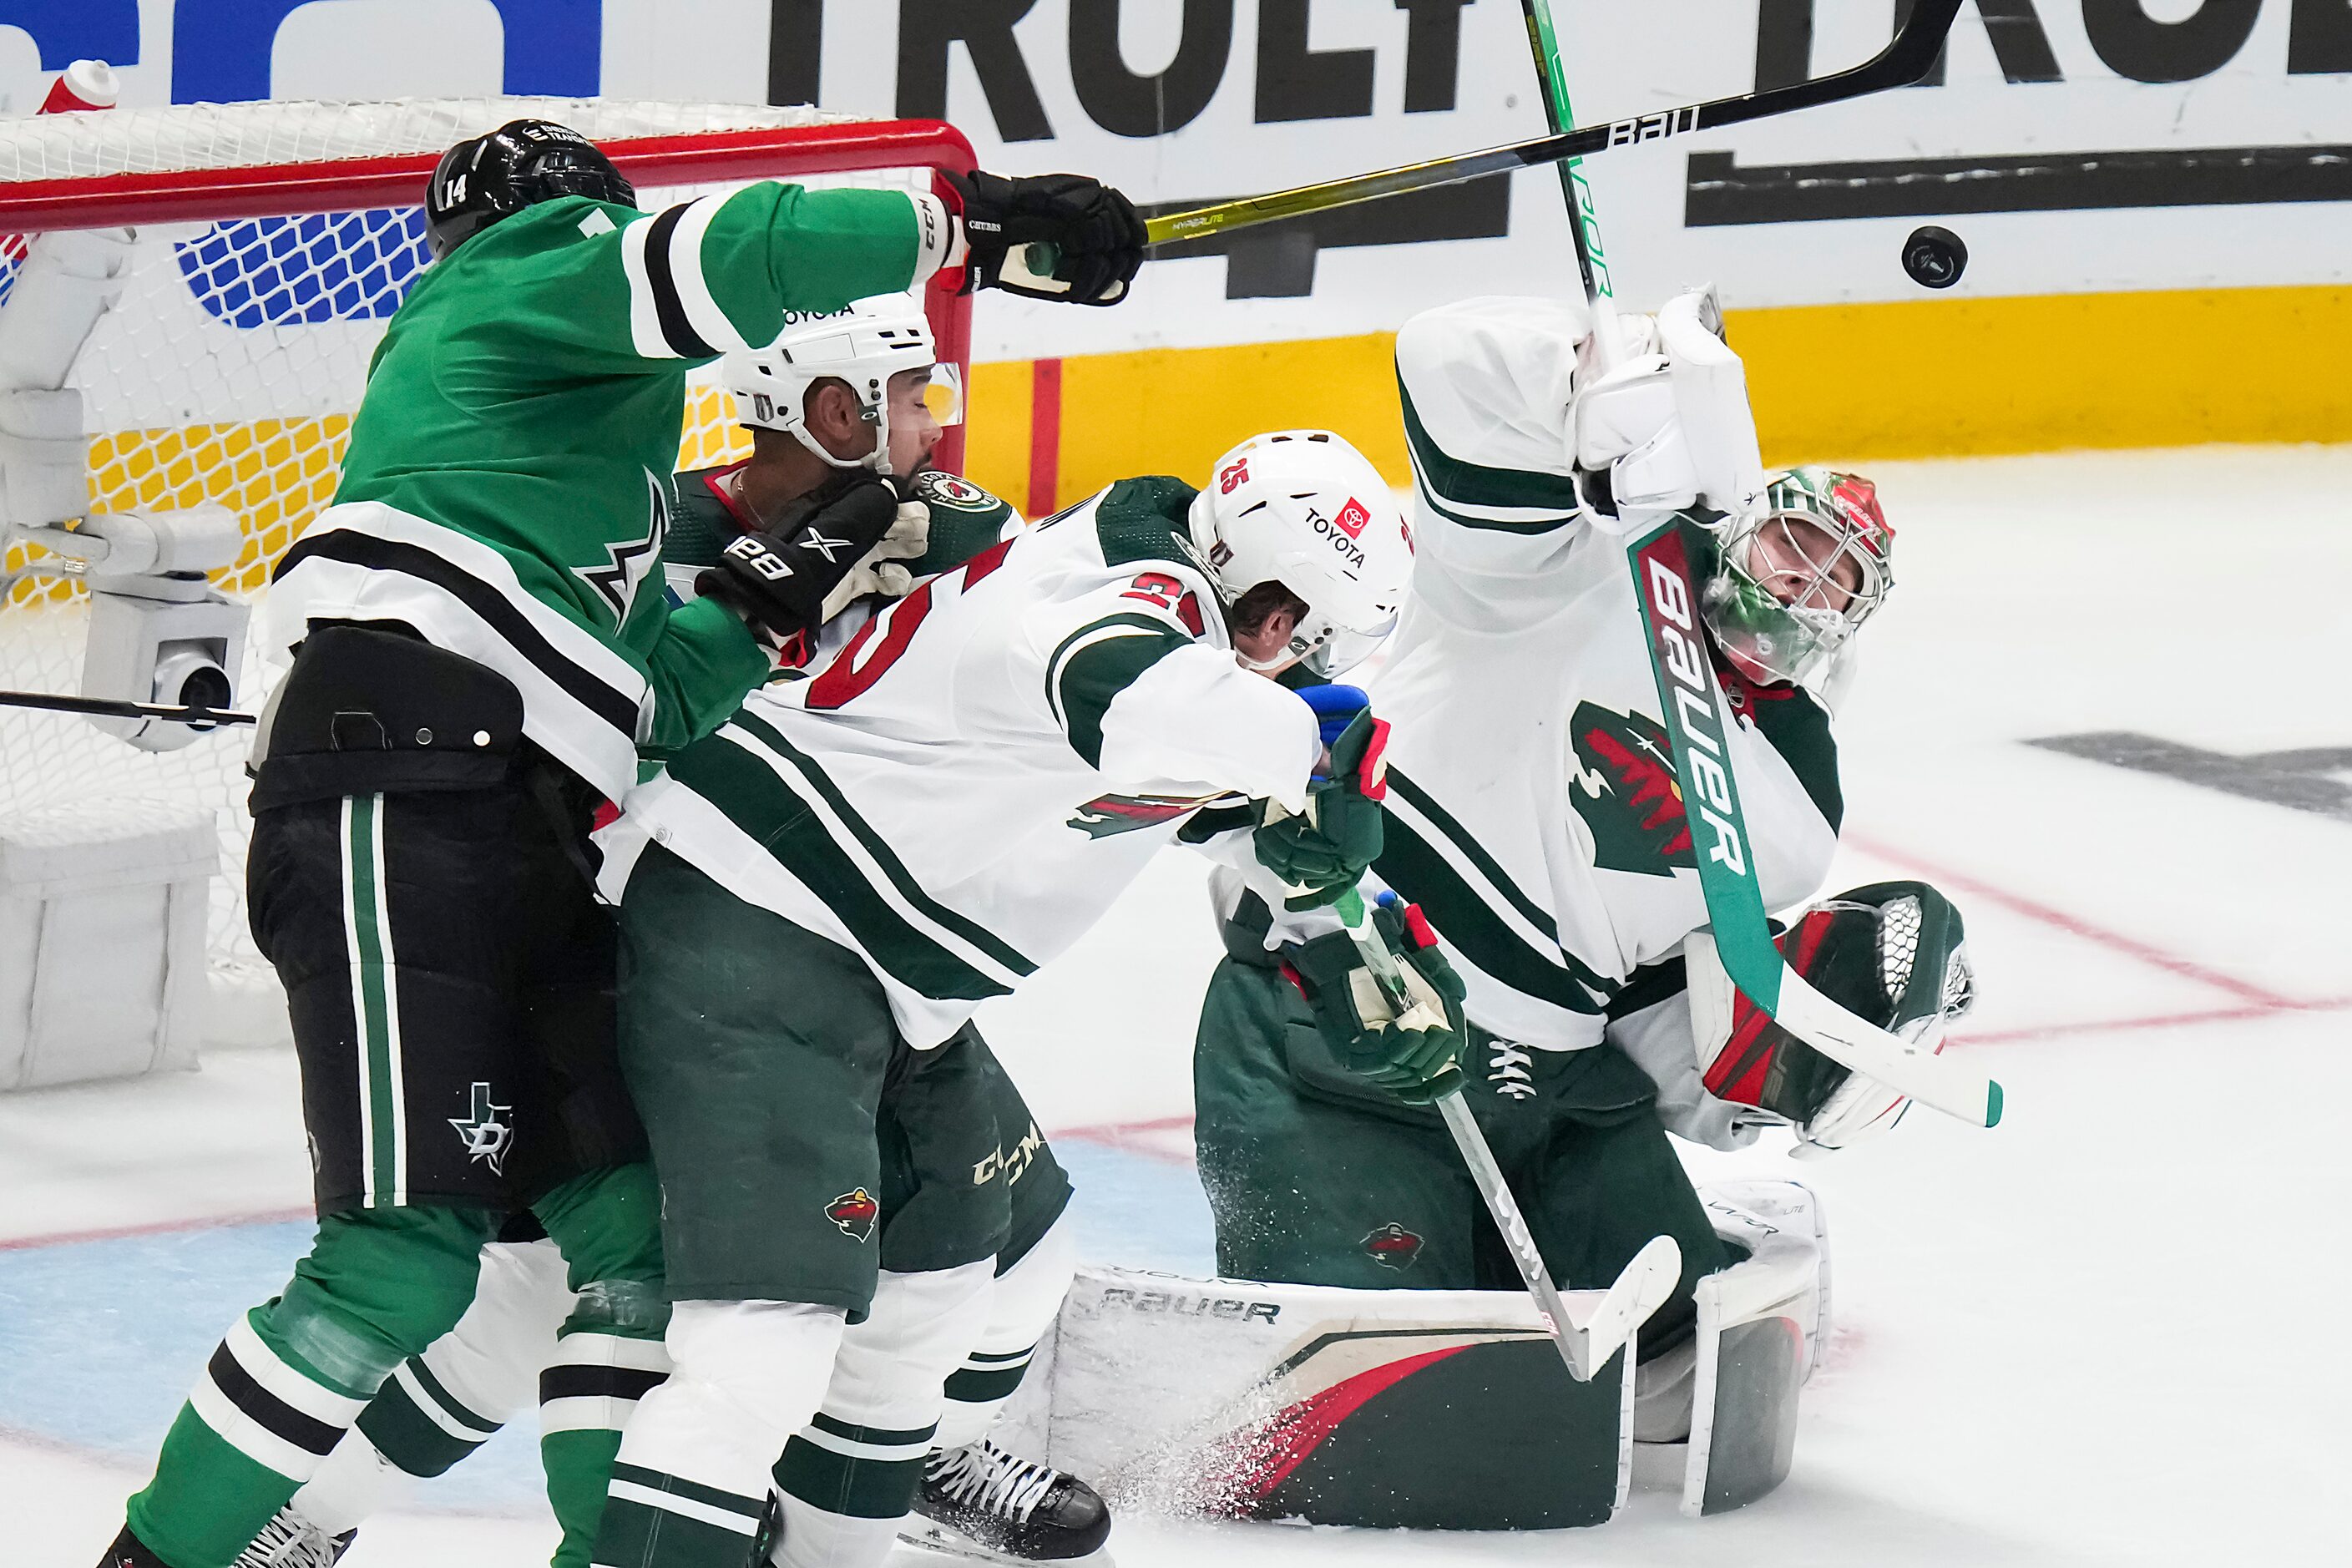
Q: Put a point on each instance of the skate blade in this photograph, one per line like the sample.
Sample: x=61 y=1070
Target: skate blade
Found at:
x=930 y=1539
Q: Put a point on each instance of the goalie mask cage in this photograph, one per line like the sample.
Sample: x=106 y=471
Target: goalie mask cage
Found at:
x=275 y=241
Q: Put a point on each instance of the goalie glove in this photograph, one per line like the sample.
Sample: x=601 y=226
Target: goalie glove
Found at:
x=795 y=575
x=1319 y=853
x=1413 y=1056
x=1892 y=953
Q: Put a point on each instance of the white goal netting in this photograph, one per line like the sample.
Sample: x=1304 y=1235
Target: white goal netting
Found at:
x=228 y=373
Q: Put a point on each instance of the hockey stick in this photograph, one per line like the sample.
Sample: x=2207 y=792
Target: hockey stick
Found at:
x=1904 y=60
x=199 y=717
x=1640 y=1289
x=1697 y=719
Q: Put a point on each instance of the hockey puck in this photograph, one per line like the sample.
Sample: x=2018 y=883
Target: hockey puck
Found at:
x=1934 y=256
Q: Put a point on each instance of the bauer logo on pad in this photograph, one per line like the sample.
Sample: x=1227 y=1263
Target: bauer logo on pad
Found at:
x=1352 y=517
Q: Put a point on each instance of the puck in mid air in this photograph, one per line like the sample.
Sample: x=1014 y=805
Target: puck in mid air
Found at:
x=1934 y=256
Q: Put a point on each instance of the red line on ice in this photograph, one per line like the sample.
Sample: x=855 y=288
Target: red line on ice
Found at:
x=157 y=1227
x=2075 y=925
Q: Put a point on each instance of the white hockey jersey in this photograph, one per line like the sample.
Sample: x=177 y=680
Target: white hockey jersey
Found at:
x=963 y=789
x=1533 y=811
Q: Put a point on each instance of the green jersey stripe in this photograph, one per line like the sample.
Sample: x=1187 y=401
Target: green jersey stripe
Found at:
x=841 y=1484
x=901 y=878
x=1533 y=526
x=756 y=802
x=1475 y=852
x=1094 y=663
x=1474 y=484
x=1471 y=928
x=375 y=1007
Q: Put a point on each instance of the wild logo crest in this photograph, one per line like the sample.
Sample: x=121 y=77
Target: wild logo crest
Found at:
x=1393 y=1246
x=1112 y=814
x=855 y=1213
x=1627 y=792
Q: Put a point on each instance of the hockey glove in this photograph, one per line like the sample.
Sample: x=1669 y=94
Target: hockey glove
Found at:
x=1090 y=231
x=1320 y=854
x=1411 y=1056
x=1892 y=953
x=783 y=580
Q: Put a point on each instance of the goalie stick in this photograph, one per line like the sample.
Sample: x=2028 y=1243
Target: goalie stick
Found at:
x=110 y=708
x=1697 y=719
x=1639 y=1290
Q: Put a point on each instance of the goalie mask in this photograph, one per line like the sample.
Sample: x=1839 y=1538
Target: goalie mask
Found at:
x=863 y=347
x=520 y=164
x=1794 y=579
x=1304 y=509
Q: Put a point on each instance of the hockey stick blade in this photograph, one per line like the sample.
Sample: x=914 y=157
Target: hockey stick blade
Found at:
x=1904 y=60
x=1699 y=726
x=110 y=708
x=1640 y=1289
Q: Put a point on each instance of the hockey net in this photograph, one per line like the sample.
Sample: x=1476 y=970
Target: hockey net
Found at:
x=275 y=242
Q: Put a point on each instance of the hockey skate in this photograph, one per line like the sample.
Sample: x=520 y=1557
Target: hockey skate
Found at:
x=290 y=1540
x=984 y=1505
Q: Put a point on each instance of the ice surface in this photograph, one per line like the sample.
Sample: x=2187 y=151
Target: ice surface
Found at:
x=2098 y=1334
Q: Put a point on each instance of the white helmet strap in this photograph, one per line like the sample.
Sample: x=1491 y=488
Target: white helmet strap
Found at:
x=876 y=414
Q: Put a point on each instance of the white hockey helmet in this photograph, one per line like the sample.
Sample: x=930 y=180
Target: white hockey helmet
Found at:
x=862 y=346
x=1305 y=509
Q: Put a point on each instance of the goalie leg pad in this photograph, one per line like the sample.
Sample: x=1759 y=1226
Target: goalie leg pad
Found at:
x=1761 y=1323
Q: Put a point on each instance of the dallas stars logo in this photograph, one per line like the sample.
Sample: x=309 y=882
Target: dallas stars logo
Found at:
x=488 y=1133
x=630 y=562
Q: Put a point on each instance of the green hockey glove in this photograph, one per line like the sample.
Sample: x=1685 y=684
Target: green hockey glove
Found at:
x=1412 y=1057
x=1323 y=852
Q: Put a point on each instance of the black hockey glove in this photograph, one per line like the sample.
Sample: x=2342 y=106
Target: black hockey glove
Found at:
x=1413 y=1056
x=1089 y=232
x=1322 y=853
x=778 y=579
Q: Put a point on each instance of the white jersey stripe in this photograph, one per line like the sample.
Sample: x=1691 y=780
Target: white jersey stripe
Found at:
x=645 y=319
x=703 y=310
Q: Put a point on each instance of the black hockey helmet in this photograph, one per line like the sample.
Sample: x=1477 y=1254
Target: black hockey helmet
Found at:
x=522 y=162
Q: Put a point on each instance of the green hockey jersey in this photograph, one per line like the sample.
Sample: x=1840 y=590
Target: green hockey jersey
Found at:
x=505 y=488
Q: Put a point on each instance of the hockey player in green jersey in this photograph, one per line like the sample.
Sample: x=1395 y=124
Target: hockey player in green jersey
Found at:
x=475 y=659
x=1533 y=816
x=840 y=395
x=815 y=899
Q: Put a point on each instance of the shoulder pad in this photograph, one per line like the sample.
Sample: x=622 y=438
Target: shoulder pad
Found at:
x=1141 y=520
